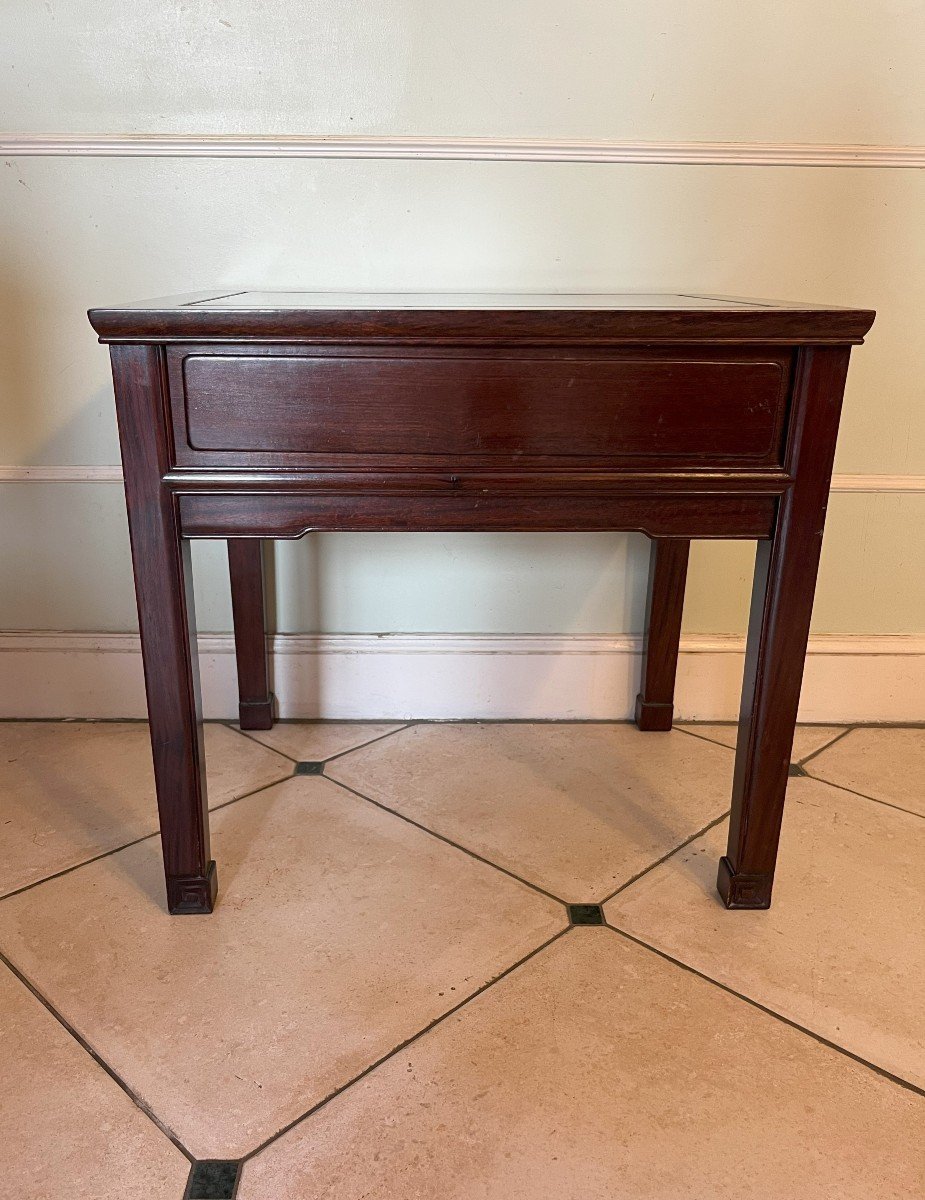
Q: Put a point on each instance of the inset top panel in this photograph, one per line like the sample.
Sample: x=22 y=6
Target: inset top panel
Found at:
x=491 y=301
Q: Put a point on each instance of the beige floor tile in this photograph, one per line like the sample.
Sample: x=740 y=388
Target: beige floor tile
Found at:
x=341 y=930
x=808 y=738
x=597 y=1070
x=888 y=764
x=576 y=809
x=841 y=950
x=313 y=741
x=71 y=790
x=66 y=1128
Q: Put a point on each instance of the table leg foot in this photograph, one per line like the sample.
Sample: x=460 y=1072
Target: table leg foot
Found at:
x=743 y=891
x=652 y=716
x=257 y=714
x=192 y=893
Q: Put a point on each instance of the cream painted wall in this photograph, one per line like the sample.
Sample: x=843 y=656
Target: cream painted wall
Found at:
x=827 y=71
x=82 y=231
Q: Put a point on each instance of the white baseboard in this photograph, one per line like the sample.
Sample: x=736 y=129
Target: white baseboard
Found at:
x=443 y=676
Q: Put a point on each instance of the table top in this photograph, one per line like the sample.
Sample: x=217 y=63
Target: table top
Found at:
x=492 y=316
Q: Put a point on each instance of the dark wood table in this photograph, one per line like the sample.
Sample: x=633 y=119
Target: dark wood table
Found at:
x=257 y=415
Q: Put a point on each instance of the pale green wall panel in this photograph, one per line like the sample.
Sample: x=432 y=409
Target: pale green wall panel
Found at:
x=79 y=232
x=462 y=583
x=871 y=578
x=64 y=564
x=83 y=231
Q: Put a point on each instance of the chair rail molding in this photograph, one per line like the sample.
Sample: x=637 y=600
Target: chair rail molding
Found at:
x=110 y=473
x=491 y=149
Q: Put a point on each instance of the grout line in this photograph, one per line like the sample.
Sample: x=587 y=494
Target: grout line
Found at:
x=838 y=737
x=658 y=862
x=97 y=1058
x=817 y=1037
x=449 y=842
x=863 y=796
x=701 y=738
x=27 y=887
x=795 y=762
x=254 y=741
x=256 y=792
x=340 y=754
x=404 y=1045
x=371 y=742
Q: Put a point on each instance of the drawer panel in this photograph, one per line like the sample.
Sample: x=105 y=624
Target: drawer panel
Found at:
x=593 y=407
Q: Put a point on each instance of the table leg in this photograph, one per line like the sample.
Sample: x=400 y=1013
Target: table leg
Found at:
x=255 y=700
x=163 y=586
x=667 y=577
x=782 y=602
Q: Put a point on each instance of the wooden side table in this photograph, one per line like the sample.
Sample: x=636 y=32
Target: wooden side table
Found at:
x=265 y=415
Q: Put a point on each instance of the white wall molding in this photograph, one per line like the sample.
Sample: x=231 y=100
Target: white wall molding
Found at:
x=749 y=154
x=57 y=474
x=441 y=676
x=113 y=474
x=878 y=483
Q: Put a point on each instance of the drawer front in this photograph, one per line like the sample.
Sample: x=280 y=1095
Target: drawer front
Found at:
x=253 y=406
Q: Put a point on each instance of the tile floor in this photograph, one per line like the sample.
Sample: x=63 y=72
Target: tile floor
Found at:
x=460 y=961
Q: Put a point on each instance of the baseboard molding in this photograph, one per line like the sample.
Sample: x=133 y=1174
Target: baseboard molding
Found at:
x=445 y=676
x=490 y=149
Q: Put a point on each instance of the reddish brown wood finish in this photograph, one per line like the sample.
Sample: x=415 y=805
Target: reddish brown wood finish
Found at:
x=255 y=700
x=664 y=605
x=455 y=405
x=163 y=585
x=236 y=513
x=782 y=604
x=604 y=320
x=490 y=407
x=425 y=416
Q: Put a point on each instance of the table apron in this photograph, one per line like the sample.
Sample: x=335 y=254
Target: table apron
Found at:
x=290 y=514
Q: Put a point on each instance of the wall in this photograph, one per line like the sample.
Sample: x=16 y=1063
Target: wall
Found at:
x=78 y=230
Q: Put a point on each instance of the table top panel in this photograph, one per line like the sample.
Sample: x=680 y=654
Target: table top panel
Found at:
x=606 y=317
x=469 y=301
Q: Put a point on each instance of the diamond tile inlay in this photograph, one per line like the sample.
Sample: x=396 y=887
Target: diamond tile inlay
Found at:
x=212 y=1179
x=586 y=914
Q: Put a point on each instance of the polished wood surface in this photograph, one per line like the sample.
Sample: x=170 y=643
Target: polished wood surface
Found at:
x=292 y=514
x=265 y=415
x=662 y=635
x=167 y=622
x=248 y=606
x=782 y=604
x=490 y=406
x=482 y=317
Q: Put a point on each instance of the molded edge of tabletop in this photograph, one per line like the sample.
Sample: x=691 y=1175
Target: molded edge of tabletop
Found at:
x=200 y=315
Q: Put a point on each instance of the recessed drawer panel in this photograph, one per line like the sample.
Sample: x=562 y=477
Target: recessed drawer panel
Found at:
x=604 y=407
